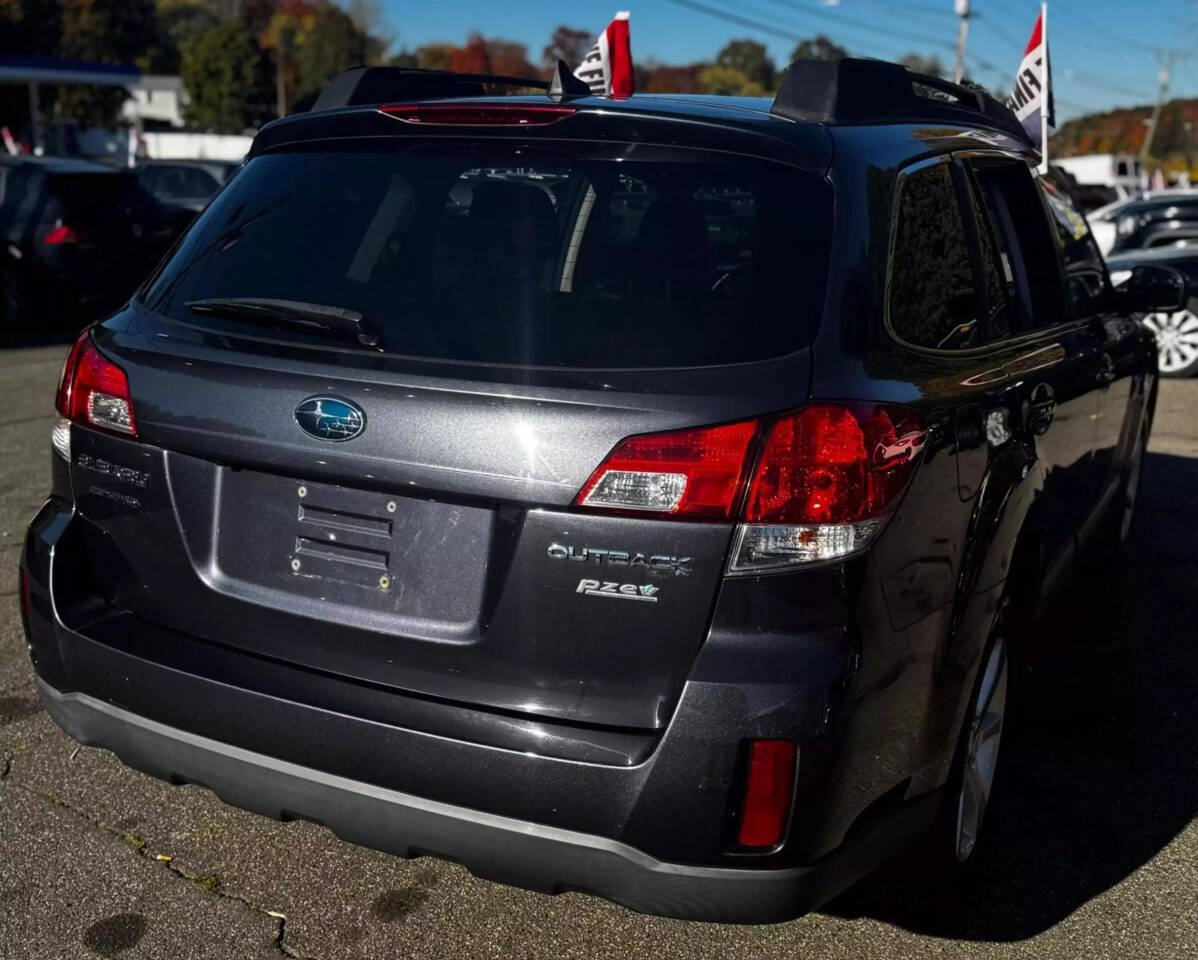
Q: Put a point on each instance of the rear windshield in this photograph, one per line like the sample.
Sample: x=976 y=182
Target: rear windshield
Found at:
x=519 y=255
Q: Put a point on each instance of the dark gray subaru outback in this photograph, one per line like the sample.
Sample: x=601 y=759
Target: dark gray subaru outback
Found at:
x=631 y=497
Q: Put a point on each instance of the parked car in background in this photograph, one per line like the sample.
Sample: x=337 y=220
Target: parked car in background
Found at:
x=1157 y=219
x=77 y=239
x=826 y=402
x=184 y=184
x=1176 y=330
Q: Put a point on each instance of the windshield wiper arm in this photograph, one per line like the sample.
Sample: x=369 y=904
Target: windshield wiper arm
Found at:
x=297 y=313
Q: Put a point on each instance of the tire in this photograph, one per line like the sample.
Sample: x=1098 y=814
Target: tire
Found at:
x=1176 y=341
x=959 y=831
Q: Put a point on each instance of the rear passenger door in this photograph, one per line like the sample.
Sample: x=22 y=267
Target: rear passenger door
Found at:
x=1051 y=355
x=1090 y=297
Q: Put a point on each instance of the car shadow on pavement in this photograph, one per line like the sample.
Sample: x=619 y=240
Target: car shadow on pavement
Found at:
x=1099 y=770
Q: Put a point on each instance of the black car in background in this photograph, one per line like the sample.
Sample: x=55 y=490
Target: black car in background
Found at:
x=76 y=238
x=186 y=185
x=644 y=497
x=1162 y=220
x=1176 y=331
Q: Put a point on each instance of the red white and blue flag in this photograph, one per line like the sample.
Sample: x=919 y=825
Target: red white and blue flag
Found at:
x=607 y=67
x=1033 y=85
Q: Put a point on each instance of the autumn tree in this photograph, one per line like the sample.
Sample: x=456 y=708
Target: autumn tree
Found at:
x=102 y=31
x=751 y=59
x=218 y=68
x=727 y=81
x=819 y=48
x=472 y=58
x=569 y=44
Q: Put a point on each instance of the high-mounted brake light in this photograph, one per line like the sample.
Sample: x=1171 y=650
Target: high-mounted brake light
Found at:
x=822 y=483
x=769 y=785
x=684 y=473
x=61 y=234
x=94 y=391
x=479 y=115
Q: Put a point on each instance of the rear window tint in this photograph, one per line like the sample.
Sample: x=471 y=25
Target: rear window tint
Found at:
x=501 y=255
x=933 y=302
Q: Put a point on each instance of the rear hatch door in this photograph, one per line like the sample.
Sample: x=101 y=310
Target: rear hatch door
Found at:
x=534 y=306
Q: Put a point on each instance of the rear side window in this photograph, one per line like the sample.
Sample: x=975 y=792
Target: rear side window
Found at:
x=932 y=295
x=1015 y=218
x=485 y=252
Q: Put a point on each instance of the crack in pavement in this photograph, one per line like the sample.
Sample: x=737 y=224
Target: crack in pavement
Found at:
x=207 y=882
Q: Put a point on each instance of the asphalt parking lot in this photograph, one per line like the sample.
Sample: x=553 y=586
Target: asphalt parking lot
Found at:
x=1094 y=854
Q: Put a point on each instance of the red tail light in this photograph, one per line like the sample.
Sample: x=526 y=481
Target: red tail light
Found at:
x=824 y=479
x=94 y=391
x=769 y=787
x=686 y=473
x=479 y=115
x=57 y=236
x=829 y=464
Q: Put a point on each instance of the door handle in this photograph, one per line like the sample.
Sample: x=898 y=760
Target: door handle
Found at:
x=1106 y=369
x=1041 y=409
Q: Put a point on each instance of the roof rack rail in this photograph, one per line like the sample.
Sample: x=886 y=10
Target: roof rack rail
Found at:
x=370 y=85
x=871 y=91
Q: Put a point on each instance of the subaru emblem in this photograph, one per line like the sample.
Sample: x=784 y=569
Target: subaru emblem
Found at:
x=328 y=418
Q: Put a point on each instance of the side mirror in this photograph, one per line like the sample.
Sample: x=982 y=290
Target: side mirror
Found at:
x=1154 y=289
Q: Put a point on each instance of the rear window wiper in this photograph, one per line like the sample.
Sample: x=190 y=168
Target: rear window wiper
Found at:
x=313 y=317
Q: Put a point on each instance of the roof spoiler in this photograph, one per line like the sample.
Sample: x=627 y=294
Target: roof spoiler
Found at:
x=868 y=91
x=371 y=85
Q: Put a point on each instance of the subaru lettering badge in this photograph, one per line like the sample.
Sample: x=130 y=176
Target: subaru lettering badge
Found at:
x=328 y=418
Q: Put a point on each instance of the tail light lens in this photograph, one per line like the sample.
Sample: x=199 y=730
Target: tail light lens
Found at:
x=769 y=786
x=824 y=480
x=686 y=473
x=58 y=235
x=479 y=115
x=94 y=391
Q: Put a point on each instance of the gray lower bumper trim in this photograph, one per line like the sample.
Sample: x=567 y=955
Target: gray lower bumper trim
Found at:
x=524 y=854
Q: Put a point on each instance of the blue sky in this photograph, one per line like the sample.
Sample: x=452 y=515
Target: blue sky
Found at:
x=1104 y=52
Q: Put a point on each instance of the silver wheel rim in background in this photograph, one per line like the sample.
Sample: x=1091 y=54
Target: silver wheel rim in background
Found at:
x=1176 y=338
x=981 y=755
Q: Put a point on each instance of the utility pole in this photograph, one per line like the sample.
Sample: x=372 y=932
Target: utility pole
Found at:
x=961 y=9
x=1156 y=111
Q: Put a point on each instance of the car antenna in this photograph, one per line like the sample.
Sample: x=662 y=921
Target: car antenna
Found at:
x=563 y=85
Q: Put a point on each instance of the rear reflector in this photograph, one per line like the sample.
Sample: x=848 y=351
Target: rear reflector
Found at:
x=26 y=598
x=769 y=786
x=481 y=115
x=94 y=391
x=57 y=236
x=685 y=473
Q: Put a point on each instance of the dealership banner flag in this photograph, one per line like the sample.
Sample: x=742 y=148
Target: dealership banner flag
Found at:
x=607 y=67
x=1032 y=98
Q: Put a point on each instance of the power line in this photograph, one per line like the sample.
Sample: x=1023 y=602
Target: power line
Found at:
x=738 y=20
x=851 y=23
x=988 y=24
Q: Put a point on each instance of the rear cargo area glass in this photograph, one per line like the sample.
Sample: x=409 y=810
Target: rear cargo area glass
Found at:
x=509 y=254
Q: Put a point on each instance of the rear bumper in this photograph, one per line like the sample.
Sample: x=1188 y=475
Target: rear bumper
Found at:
x=644 y=831
x=529 y=855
